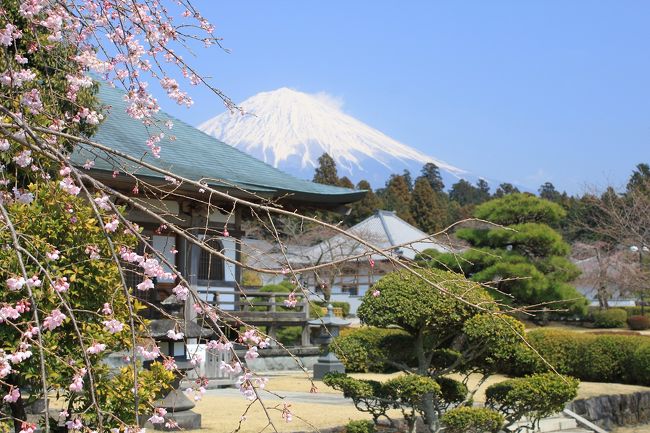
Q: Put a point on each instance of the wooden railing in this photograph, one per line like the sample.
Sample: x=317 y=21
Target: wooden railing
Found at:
x=261 y=309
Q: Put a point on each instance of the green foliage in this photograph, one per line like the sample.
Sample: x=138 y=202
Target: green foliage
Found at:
x=367 y=395
x=115 y=392
x=431 y=173
x=498 y=337
x=639 y=323
x=316 y=307
x=520 y=208
x=403 y=392
x=429 y=208
x=397 y=197
x=591 y=357
x=452 y=392
x=365 y=207
x=524 y=257
x=326 y=172
x=368 y=349
x=472 y=420
x=360 y=426
x=413 y=303
x=289 y=335
x=408 y=389
x=640 y=364
x=535 y=397
x=610 y=318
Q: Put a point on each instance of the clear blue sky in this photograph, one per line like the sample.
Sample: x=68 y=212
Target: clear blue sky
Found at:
x=520 y=91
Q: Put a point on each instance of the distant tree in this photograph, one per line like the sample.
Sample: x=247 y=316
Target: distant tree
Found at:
x=397 y=197
x=365 y=207
x=345 y=182
x=465 y=193
x=483 y=191
x=548 y=192
x=326 y=172
x=640 y=179
x=505 y=189
x=429 y=209
x=406 y=174
x=431 y=173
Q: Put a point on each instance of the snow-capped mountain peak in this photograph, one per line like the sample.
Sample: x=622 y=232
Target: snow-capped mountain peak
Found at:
x=290 y=130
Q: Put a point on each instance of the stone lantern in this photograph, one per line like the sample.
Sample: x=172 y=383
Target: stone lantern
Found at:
x=330 y=326
x=178 y=405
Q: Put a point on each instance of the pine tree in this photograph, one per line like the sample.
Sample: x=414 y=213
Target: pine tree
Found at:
x=326 y=171
x=431 y=173
x=483 y=191
x=505 y=189
x=548 y=192
x=365 y=207
x=429 y=209
x=398 y=198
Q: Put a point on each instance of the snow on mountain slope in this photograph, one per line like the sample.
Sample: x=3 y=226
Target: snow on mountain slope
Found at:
x=290 y=130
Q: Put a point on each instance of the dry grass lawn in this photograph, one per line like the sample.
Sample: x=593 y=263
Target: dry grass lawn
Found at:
x=222 y=414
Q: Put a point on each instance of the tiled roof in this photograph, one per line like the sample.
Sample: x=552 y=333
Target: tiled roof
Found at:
x=196 y=155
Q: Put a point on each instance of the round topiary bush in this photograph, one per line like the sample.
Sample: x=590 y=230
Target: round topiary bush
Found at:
x=638 y=323
x=472 y=420
x=610 y=318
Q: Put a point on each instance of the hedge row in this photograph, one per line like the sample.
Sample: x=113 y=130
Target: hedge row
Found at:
x=366 y=349
x=589 y=357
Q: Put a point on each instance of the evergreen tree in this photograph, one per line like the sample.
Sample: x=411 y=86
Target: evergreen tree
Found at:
x=505 y=189
x=429 y=209
x=548 y=192
x=640 y=179
x=483 y=188
x=408 y=179
x=326 y=171
x=464 y=193
x=526 y=258
x=397 y=197
x=345 y=182
x=431 y=173
x=365 y=207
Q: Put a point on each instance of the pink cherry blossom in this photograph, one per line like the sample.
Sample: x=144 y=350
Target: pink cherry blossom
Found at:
x=96 y=348
x=54 y=320
x=12 y=396
x=15 y=284
x=61 y=285
x=181 y=292
x=113 y=326
x=145 y=285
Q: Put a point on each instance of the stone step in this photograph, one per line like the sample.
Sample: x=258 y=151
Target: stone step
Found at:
x=551 y=424
x=573 y=430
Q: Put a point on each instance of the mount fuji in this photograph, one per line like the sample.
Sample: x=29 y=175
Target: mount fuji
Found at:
x=290 y=130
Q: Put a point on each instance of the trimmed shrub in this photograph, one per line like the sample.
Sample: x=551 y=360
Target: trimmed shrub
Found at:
x=366 y=349
x=610 y=318
x=610 y=357
x=360 y=426
x=534 y=397
x=638 y=323
x=640 y=364
x=472 y=420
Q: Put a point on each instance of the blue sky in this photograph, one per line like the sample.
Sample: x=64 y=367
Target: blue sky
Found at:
x=520 y=91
